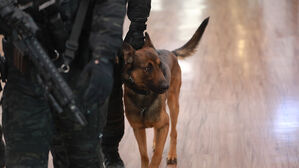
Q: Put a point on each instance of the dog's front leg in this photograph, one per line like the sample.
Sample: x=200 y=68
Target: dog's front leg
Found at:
x=173 y=104
x=140 y=136
x=160 y=138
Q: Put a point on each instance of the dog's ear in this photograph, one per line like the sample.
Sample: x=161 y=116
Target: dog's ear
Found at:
x=128 y=52
x=148 y=41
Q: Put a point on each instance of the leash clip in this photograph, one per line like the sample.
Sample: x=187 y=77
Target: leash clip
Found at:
x=57 y=55
x=64 y=68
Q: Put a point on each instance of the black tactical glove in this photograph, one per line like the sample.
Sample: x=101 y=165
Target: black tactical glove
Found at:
x=99 y=77
x=135 y=36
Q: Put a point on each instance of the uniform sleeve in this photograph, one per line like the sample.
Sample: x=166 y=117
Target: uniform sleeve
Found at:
x=139 y=10
x=4 y=3
x=107 y=28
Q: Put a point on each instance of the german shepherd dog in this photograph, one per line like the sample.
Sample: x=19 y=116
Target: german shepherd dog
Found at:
x=151 y=77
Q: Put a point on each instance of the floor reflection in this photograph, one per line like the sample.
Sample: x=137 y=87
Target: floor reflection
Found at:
x=287 y=118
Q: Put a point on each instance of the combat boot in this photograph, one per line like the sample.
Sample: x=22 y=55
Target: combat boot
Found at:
x=113 y=160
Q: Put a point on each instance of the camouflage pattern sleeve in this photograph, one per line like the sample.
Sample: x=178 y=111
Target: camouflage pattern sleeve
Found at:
x=139 y=10
x=4 y=3
x=5 y=8
x=107 y=27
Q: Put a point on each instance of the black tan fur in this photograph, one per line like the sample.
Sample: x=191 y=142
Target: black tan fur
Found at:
x=151 y=77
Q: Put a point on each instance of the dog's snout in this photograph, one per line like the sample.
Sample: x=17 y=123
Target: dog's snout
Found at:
x=164 y=87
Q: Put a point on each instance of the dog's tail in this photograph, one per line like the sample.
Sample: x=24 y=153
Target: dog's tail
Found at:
x=189 y=47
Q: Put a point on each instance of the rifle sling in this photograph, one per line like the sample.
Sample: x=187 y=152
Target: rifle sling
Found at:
x=72 y=43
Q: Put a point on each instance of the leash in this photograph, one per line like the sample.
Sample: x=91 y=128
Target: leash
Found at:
x=71 y=45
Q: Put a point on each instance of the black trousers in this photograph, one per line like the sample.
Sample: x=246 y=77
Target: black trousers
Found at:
x=114 y=129
x=110 y=127
x=31 y=128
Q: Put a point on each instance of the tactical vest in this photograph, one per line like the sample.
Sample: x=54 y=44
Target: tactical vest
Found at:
x=55 y=19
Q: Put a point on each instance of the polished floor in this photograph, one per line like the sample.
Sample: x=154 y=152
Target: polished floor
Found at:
x=239 y=102
x=240 y=93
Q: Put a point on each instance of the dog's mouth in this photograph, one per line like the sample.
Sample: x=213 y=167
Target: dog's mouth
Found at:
x=161 y=91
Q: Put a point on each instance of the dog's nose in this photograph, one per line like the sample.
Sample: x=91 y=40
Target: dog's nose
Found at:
x=164 y=87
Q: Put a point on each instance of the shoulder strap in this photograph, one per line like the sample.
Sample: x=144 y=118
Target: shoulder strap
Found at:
x=72 y=43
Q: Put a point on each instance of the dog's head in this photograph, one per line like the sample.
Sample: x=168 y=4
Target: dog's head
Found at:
x=142 y=69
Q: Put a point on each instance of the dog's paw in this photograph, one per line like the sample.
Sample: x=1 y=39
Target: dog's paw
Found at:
x=171 y=160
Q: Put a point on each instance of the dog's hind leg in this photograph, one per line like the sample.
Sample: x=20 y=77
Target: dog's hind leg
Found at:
x=161 y=130
x=173 y=104
x=140 y=136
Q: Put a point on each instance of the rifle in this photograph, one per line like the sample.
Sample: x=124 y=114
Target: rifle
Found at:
x=56 y=89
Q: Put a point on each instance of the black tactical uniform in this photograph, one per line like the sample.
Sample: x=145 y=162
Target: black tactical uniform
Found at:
x=138 y=12
x=28 y=121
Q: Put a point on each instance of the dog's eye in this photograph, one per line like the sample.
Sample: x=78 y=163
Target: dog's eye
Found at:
x=149 y=68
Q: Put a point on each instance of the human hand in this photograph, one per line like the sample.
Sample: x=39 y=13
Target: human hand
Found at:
x=99 y=75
